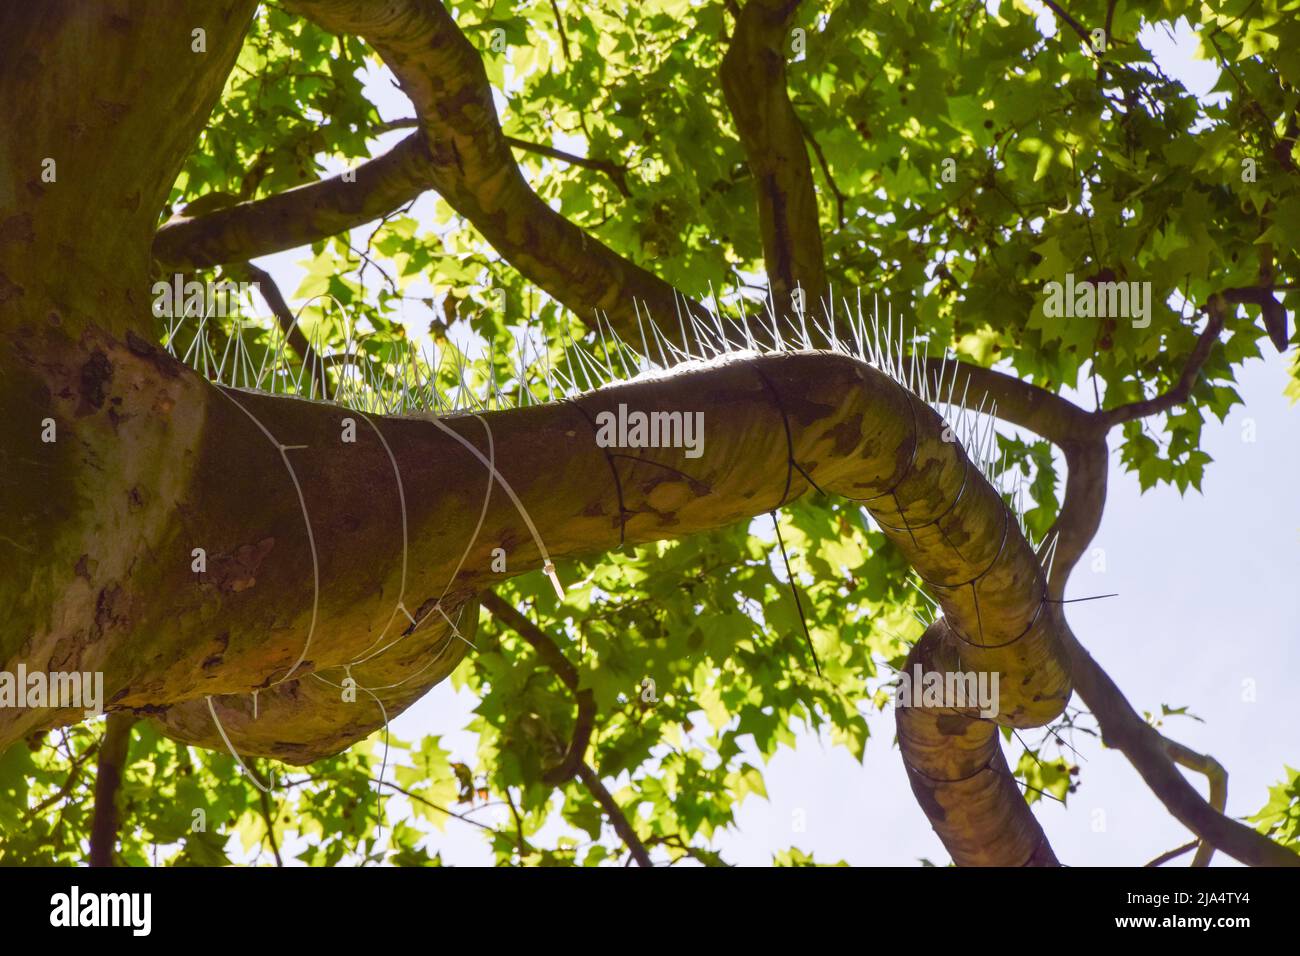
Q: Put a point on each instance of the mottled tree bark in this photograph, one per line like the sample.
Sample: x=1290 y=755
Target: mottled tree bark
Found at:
x=754 y=83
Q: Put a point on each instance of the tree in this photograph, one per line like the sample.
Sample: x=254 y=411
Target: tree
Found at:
x=239 y=563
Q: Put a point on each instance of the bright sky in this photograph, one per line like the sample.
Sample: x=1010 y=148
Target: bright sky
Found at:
x=1206 y=618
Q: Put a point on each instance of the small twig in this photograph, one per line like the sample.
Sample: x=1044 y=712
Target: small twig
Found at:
x=615 y=171
x=74 y=772
x=429 y=803
x=826 y=171
x=551 y=654
x=275 y=301
x=573 y=762
x=521 y=843
x=794 y=589
x=705 y=857
x=268 y=815
x=615 y=813
x=1182 y=391
x=1174 y=854
x=564 y=37
x=1074 y=24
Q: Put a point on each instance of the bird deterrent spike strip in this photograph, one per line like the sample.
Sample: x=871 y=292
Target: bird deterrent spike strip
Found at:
x=413 y=382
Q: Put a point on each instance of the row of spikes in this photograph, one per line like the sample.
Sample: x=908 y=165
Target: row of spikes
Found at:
x=422 y=381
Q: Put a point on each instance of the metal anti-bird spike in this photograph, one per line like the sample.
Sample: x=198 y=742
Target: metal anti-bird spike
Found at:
x=715 y=313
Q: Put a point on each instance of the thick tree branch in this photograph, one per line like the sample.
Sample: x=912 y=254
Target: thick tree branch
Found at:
x=1077 y=432
x=1081 y=436
x=591 y=780
x=298 y=216
x=472 y=167
x=153 y=444
x=159 y=435
x=331 y=206
x=1087 y=465
x=108 y=777
x=1072 y=23
x=754 y=84
x=958 y=771
x=1087 y=460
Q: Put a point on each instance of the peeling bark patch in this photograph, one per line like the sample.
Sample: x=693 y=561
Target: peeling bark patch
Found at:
x=149 y=710
x=17 y=229
x=111 y=609
x=231 y=573
x=96 y=373
x=664 y=519
x=929 y=803
x=212 y=660
x=138 y=346
x=847 y=436
x=805 y=411
x=144 y=349
x=424 y=611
